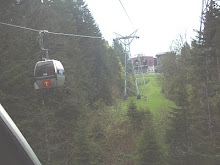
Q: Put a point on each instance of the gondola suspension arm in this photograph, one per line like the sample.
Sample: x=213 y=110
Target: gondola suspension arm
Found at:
x=41 y=42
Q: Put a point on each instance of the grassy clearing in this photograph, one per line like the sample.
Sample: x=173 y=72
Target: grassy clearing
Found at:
x=118 y=140
x=151 y=97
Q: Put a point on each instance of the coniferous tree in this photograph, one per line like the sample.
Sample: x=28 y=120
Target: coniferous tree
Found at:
x=193 y=133
x=148 y=148
x=87 y=152
x=205 y=80
x=50 y=128
x=135 y=116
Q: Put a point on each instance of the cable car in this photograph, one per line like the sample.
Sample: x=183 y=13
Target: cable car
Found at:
x=48 y=74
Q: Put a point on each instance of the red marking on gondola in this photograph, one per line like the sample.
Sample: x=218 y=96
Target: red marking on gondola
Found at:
x=46 y=83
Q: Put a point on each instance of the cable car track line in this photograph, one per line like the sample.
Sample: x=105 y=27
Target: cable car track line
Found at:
x=126 y=12
x=55 y=33
x=19 y=27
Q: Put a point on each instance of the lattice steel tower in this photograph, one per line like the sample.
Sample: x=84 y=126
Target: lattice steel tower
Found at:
x=126 y=41
x=139 y=65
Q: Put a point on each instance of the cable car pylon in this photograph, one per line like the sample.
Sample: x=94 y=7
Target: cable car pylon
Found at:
x=126 y=41
x=139 y=70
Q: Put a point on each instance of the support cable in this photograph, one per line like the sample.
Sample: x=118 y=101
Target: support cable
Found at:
x=55 y=33
x=126 y=12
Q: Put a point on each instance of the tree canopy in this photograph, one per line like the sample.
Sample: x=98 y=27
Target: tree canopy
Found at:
x=191 y=79
x=92 y=68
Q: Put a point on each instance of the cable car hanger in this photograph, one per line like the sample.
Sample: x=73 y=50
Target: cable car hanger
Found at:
x=41 y=42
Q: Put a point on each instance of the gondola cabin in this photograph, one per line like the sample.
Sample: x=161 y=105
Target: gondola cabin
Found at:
x=48 y=74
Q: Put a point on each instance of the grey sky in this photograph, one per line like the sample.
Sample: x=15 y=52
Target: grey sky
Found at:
x=159 y=22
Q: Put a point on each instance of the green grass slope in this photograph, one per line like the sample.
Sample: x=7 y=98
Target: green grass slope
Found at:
x=114 y=134
x=151 y=97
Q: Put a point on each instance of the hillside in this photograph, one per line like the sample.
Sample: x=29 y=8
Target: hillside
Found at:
x=151 y=96
x=51 y=119
x=114 y=131
x=86 y=121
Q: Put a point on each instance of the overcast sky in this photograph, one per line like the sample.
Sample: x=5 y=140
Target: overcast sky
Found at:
x=159 y=22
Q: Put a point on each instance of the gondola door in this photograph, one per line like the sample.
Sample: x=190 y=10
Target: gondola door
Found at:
x=45 y=75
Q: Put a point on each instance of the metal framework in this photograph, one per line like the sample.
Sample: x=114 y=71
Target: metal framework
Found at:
x=126 y=41
x=205 y=6
x=140 y=74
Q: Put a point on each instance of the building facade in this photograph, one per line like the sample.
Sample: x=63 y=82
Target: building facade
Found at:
x=144 y=64
x=147 y=64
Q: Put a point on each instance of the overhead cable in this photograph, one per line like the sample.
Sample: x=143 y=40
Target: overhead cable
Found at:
x=126 y=12
x=55 y=33
x=19 y=27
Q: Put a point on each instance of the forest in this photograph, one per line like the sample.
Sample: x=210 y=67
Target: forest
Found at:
x=191 y=78
x=87 y=122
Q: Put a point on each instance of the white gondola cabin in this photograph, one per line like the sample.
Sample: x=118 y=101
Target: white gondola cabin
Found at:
x=48 y=74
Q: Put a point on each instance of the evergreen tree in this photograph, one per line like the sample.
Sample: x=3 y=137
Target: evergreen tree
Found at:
x=148 y=148
x=205 y=80
x=193 y=131
x=135 y=116
x=51 y=128
x=87 y=152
